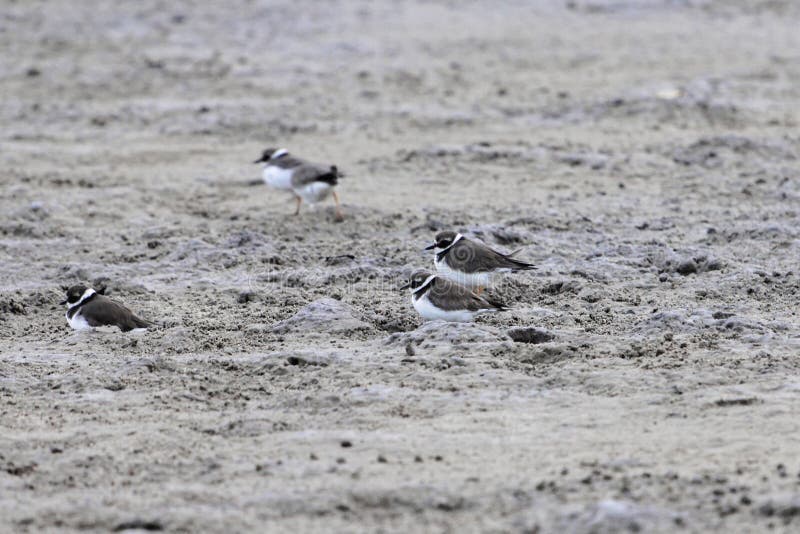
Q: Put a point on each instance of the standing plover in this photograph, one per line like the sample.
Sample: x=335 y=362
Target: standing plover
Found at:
x=469 y=263
x=305 y=180
x=86 y=309
x=437 y=298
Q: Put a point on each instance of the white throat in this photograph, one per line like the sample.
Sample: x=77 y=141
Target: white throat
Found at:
x=86 y=294
x=278 y=153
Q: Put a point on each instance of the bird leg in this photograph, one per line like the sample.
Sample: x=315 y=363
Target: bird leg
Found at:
x=339 y=216
x=299 y=201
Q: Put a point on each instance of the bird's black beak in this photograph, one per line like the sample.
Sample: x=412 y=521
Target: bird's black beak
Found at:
x=405 y=286
x=261 y=160
x=63 y=302
x=430 y=247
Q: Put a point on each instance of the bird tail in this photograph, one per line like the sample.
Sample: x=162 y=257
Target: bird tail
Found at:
x=330 y=177
x=517 y=265
x=496 y=304
x=142 y=323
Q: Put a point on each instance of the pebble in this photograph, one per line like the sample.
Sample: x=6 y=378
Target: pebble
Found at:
x=530 y=335
x=687 y=267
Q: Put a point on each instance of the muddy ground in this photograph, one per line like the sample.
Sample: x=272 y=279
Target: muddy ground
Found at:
x=644 y=154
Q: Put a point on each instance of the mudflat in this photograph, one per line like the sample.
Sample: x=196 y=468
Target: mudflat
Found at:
x=643 y=154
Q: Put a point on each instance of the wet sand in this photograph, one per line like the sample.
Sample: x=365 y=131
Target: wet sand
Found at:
x=644 y=154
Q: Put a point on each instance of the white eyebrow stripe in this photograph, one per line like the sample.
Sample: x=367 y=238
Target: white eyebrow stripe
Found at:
x=278 y=153
x=86 y=294
x=425 y=284
x=456 y=240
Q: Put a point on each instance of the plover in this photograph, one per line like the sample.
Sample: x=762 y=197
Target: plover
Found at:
x=86 y=309
x=469 y=263
x=305 y=180
x=437 y=298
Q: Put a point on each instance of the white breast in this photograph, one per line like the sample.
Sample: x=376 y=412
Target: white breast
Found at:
x=431 y=313
x=78 y=322
x=465 y=279
x=277 y=178
x=314 y=192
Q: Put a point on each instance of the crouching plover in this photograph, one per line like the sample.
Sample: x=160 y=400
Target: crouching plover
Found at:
x=306 y=181
x=86 y=309
x=469 y=263
x=436 y=298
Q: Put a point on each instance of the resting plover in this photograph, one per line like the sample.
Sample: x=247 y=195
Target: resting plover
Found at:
x=86 y=309
x=305 y=180
x=437 y=298
x=469 y=263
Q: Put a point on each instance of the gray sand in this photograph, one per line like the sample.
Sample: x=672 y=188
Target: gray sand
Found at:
x=644 y=154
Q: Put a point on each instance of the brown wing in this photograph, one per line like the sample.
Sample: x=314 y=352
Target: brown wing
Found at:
x=471 y=257
x=102 y=311
x=450 y=296
x=287 y=162
x=310 y=172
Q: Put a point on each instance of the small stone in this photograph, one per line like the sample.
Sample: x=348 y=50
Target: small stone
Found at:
x=139 y=524
x=530 y=335
x=687 y=267
x=560 y=287
x=346 y=444
x=247 y=296
x=781 y=470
